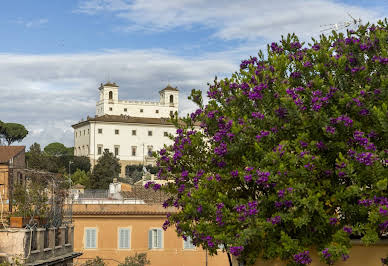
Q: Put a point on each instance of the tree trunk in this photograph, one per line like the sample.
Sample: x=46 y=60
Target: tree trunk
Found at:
x=229 y=258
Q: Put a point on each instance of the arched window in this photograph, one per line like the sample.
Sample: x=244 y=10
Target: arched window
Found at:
x=171 y=99
x=110 y=95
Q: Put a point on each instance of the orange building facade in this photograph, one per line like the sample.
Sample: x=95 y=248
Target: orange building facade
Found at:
x=114 y=231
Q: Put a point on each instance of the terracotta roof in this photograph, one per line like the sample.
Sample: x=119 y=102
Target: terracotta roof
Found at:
x=120 y=209
x=126 y=119
x=169 y=88
x=8 y=152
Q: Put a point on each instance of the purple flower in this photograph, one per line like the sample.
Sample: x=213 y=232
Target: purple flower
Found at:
x=364 y=112
x=303 y=144
x=258 y=115
x=303 y=258
x=333 y=221
x=274 y=220
x=248 y=178
x=316 y=47
x=330 y=129
x=348 y=229
x=307 y=64
x=236 y=251
x=281 y=193
x=234 y=173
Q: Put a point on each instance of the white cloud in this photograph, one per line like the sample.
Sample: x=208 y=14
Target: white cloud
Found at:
x=49 y=93
x=249 y=19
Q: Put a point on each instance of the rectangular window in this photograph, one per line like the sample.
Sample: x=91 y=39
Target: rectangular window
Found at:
x=90 y=238
x=141 y=110
x=88 y=131
x=117 y=148
x=125 y=109
x=157 y=111
x=110 y=109
x=149 y=148
x=133 y=132
x=124 y=238
x=84 y=132
x=116 y=131
x=99 y=149
x=188 y=243
x=100 y=131
x=165 y=133
x=155 y=239
x=133 y=150
x=149 y=133
x=171 y=113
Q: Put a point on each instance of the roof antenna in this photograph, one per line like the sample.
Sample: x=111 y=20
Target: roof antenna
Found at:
x=342 y=25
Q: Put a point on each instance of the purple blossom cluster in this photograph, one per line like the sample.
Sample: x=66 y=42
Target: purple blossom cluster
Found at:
x=348 y=229
x=303 y=258
x=262 y=134
x=360 y=138
x=274 y=220
x=219 y=214
x=246 y=210
x=236 y=250
x=333 y=221
x=343 y=118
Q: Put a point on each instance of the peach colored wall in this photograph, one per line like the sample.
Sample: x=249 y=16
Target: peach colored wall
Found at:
x=172 y=253
x=359 y=256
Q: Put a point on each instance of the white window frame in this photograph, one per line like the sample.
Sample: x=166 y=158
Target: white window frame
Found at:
x=118 y=150
x=188 y=244
x=102 y=149
x=154 y=236
x=119 y=238
x=95 y=246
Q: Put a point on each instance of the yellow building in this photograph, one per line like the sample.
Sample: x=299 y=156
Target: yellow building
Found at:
x=114 y=231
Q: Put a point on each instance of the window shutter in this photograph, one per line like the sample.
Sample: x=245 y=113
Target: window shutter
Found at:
x=93 y=238
x=121 y=238
x=150 y=239
x=87 y=240
x=128 y=239
x=160 y=238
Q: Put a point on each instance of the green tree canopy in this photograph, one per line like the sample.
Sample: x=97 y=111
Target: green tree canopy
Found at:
x=291 y=155
x=57 y=149
x=12 y=132
x=35 y=157
x=107 y=168
x=81 y=177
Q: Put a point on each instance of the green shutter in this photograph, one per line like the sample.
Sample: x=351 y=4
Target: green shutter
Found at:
x=150 y=239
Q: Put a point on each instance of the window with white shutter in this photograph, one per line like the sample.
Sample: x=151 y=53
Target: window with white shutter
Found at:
x=124 y=238
x=90 y=238
x=188 y=243
x=155 y=239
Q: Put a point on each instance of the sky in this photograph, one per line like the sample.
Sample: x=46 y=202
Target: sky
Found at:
x=55 y=53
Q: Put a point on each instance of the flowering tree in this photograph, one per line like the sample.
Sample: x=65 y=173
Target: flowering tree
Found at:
x=290 y=156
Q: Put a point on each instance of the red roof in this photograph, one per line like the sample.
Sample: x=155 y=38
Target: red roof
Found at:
x=9 y=152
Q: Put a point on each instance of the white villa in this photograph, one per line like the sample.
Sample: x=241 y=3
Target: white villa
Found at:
x=132 y=130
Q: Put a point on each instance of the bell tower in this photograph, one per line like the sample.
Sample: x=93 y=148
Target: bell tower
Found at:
x=109 y=98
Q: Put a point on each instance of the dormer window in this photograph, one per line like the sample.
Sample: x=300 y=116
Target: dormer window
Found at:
x=111 y=95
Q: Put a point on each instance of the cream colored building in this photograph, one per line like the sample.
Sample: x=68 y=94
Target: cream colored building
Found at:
x=131 y=130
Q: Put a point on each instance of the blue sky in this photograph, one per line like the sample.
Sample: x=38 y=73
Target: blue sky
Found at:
x=55 y=53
